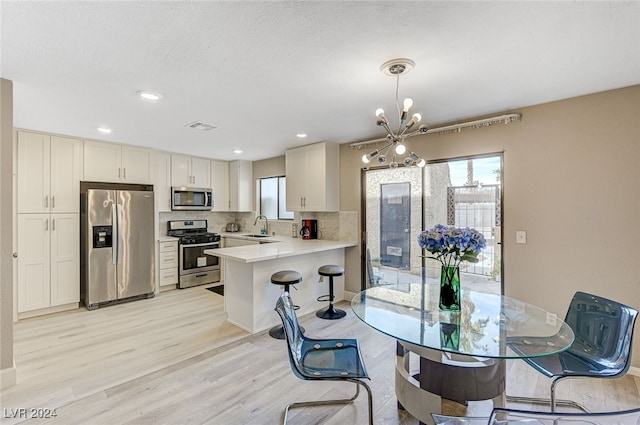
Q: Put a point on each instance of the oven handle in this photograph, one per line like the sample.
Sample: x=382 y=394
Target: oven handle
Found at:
x=212 y=245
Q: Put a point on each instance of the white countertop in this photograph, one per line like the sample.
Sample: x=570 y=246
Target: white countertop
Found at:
x=167 y=239
x=278 y=248
x=248 y=237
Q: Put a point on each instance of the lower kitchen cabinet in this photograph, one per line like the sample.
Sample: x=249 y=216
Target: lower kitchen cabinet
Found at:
x=168 y=264
x=48 y=261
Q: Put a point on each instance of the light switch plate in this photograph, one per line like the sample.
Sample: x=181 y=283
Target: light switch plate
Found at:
x=521 y=236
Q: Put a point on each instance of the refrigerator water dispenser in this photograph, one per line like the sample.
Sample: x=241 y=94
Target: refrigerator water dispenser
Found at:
x=102 y=236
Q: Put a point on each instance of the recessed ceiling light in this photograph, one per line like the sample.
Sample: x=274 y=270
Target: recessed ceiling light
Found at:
x=148 y=95
x=104 y=130
x=301 y=135
x=237 y=151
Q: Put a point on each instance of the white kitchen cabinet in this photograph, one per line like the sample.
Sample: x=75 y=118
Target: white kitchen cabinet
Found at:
x=138 y=165
x=190 y=171
x=48 y=261
x=220 y=185
x=162 y=189
x=168 y=263
x=115 y=163
x=241 y=186
x=313 y=177
x=49 y=172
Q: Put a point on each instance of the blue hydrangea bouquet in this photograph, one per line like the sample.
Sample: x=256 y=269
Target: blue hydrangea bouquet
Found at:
x=452 y=245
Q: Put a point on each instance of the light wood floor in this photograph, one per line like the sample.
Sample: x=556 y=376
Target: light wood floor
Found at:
x=174 y=360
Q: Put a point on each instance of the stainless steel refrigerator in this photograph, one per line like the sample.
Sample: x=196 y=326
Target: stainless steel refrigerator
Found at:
x=117 y=257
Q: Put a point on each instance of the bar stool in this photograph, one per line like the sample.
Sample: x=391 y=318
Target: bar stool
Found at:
x=331 y=313
x=286 y=278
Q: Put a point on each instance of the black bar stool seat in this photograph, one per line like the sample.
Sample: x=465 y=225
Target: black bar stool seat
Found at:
x=285 y=278
x=330 y=313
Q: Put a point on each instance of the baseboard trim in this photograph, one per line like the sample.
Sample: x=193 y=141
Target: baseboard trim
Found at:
x=635 y=371
x=8 y=377
x=348 y=296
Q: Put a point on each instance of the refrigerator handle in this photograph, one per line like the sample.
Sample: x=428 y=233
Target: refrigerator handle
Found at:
x=115 y=234
x=119 y=239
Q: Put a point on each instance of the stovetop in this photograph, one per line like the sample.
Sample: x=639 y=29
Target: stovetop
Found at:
x=191 y=231
x=194 y=238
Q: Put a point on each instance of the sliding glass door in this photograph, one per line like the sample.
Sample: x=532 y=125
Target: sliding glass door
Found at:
x=399 y=203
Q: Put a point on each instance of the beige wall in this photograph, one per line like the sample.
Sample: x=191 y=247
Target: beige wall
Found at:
x=269 y=167
x=7 y=372
x=571 y=180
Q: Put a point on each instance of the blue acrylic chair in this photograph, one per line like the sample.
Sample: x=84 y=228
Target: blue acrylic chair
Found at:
x=601 y=349
x=321 y=359
x=502 y=416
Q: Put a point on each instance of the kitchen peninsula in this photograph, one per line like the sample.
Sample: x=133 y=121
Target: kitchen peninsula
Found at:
x=249 y=295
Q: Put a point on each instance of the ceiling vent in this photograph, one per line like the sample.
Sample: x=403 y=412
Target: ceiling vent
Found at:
x=199 y=125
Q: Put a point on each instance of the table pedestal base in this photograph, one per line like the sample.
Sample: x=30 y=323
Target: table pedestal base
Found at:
x=445 y=375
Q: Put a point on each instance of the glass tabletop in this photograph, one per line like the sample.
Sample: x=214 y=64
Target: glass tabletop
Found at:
x=487 y=325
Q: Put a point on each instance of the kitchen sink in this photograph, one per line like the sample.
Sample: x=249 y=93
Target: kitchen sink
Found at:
x=258 y=235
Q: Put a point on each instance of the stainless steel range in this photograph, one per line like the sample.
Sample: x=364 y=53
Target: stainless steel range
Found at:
x=195 y=268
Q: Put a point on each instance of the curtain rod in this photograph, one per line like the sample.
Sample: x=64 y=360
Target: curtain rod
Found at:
x=455 y=128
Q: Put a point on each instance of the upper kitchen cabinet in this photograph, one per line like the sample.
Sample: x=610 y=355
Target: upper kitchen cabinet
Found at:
x=49 y=173
x=162 y=187
x=190 y=171
x=111 y=162
x=313 y=176
x=240 y=186
x=220 y=185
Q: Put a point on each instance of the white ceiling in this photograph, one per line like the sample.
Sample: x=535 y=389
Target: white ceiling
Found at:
x=264 y=71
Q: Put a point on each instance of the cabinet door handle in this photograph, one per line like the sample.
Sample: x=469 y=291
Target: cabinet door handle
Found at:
x=53 y=224
x=124 y=173
x=46 y=201
x=46 y=224
x=118 y=172
x=53 y=201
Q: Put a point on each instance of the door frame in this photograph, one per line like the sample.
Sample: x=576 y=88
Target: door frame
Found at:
x=363 y=210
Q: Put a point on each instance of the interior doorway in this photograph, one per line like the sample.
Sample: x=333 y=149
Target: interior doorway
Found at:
x=399 y=203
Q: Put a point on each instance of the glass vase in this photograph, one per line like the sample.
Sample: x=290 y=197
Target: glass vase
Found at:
x=450 y=330
x=450 y=288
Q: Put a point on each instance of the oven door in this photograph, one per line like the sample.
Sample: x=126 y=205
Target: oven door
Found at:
x=193 y=259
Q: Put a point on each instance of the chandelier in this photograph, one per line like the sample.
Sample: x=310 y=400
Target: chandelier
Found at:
x=395 y=139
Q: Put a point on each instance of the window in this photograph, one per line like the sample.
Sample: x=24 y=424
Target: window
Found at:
x=273 y=196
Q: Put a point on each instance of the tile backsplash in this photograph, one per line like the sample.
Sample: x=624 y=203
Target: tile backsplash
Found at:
x=342 y=226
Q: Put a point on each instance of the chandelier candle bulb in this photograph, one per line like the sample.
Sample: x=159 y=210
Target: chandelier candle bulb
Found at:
x=408 y=103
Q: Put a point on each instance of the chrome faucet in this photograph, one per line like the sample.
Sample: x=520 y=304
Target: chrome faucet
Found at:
x=266 y=223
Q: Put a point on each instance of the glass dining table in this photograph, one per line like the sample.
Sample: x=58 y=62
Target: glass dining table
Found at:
x=457 y=355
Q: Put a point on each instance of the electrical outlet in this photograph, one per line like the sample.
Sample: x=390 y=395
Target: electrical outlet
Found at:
x=551 y=319
x=521 y=236
x=320 y=224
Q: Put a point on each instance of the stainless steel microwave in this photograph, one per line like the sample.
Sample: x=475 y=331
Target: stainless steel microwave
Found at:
x=191 y=199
